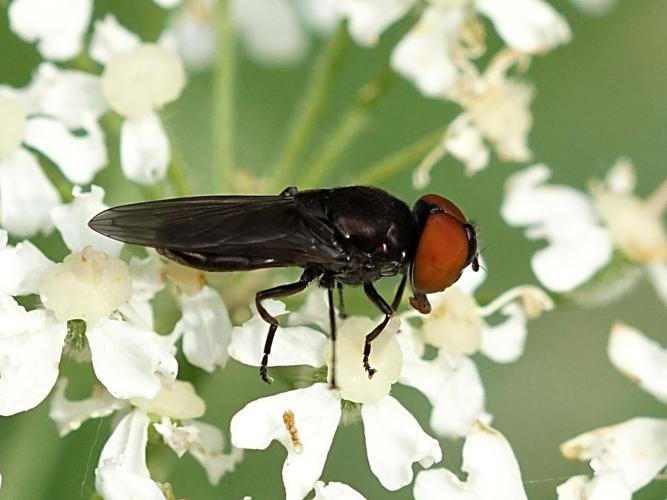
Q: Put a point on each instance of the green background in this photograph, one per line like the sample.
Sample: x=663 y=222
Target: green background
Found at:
x=601 y=97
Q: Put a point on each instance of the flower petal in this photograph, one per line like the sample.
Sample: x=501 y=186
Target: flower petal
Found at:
x=29 y=363
x=336 y=491
x=640 y=358
x=465 y=142
x=316 y=413
x=144 y=149
x=178 y=437
x=423 y=55
x=208 y=451
x=121 y=472
x=295 y=345
x=493 y=472
x=657 y=275
x=527 y=25
x=637 y=448
x=206 y=329
x=78 y=157
x=314 y=311
x=21 y=267
x=504 y=343
x=111 y=39
x=367 y=19
x=72 y=221
x=69 y=415
x=177 y=400
x=395 y=441
x=57 y=25
x=271 y=32
x=73 y=97
x=129 y=361
x=608 y=485
x=26 y=195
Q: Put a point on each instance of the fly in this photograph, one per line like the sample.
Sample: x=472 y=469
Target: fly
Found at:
x=342 y=236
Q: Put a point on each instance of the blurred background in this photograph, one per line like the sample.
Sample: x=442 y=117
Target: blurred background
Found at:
x=600 y=97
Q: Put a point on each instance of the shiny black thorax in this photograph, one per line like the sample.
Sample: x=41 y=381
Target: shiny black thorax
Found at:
x=375 y=233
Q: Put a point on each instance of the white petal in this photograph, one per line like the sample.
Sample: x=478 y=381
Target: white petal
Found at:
x=465 y=142
x=637 y=448
x=21 y=267
x=395 y=441
x=576 y=251
x=657 y=275
x=14 y=122
x=595 y=7
x=146 y=276
x=608 y=485
x=316 y=411
x=178 y=437
x=471 y=280
x=73 y=97
x=29 y=363
x=78 y=157
x=57 y=25
x=208 y=451
x=129 y=361
x=69 y=415
x=493 y=472
x=206 y=329
x=423 y=55
x=15 y=320
x=110 y=39
x=320 y=15
x=452 y=385
x=194 y=33
x=87 y=285
x=643 y=360
x=504 y=343
x=168 y=4
x=314 y=311
x=296 y=345
x=121 y=472
x=177 y=400
x=527 y=25
x=72 y=222
x=336 y=491
x=144 y=149
x=271 y=31
x=369 y=18
x=26 y=195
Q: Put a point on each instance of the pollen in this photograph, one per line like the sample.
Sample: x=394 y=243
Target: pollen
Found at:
x=290 y=425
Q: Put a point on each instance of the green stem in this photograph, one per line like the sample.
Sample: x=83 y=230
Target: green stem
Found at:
x=58 y=179
x=353 y=123
x=312 y=104
x=400 y=160
x=223 y=96
x=175 y=173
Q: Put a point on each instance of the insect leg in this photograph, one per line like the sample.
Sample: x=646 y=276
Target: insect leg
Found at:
x=332 y=322
x=386 y=309
x=399 y=293
x=341 y=303
x=278 y=291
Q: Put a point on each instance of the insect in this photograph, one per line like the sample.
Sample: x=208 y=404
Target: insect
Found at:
x=341 y=236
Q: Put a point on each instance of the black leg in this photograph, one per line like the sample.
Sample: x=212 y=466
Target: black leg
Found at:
x=399 y=293
x=332 y=323
x=341 y=304
x=278 y=291
x=381 y=304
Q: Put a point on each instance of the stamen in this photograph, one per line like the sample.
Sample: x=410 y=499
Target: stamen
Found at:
x=533 y=300
x=290 y=425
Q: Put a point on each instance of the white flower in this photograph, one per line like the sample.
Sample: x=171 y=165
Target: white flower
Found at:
x=626 y=456
x=595 y=7
x=43 y=116
x=457 y=327
x=493 y=472
x=129 y=359
x=449 y=33
x=582 y=231
x=121 y=471
x=305 y=420
x=496 y=109
x=137 y=81
x=272 y=33
x=57 y=25
x=336 y=491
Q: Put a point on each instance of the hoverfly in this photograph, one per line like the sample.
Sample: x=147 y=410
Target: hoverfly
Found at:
x=341 y=236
